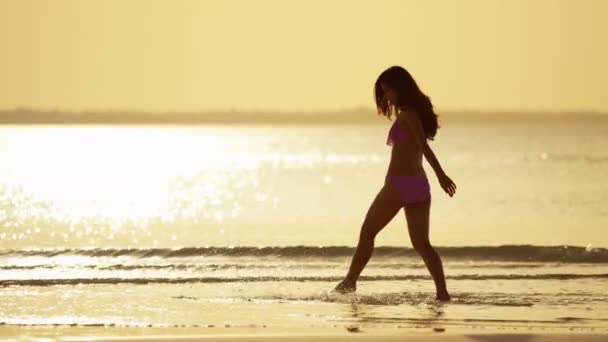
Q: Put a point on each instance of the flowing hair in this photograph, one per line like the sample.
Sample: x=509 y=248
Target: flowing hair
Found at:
x=410 y=96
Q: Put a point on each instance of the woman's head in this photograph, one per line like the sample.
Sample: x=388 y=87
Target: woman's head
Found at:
x=396 y=88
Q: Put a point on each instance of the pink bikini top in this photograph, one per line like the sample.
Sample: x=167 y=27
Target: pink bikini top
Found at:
x=395 y=134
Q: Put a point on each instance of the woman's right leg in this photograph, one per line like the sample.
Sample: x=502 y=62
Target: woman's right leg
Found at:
x=417 y=216
x=382 y=210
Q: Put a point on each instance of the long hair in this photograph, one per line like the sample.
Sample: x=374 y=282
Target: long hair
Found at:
x=410 y=96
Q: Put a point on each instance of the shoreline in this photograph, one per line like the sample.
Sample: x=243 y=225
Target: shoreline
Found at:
x=352 y=332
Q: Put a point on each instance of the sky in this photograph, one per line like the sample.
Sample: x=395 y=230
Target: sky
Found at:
x=312 y=55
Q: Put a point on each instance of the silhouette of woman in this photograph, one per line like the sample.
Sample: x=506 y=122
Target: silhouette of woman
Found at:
x=406 y=184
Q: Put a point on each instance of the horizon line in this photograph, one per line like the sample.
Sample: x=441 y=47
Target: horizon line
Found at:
x=359 y=108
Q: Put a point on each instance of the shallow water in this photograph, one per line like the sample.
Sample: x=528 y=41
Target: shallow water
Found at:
x=285 y=287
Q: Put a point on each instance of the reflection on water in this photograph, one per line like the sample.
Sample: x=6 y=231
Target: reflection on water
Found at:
x=427 y=313
x=153 y=186
x=172 y=186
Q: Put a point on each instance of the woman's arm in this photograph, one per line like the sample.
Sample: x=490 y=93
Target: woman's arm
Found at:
x=412 y=120
x=432 y=159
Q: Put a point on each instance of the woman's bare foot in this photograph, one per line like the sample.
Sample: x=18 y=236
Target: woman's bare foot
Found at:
x=346 y=287
x=443 y=297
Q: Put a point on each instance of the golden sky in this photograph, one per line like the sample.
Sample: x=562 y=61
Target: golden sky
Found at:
x=305 y=55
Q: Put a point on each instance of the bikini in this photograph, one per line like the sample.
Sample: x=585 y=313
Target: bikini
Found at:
x=412 y=189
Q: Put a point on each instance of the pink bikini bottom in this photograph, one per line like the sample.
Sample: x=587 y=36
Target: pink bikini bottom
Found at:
x=412 y=189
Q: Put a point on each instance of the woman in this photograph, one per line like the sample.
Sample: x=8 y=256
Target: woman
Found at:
x=406 y=184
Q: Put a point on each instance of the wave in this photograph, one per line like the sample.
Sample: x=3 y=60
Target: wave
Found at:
x=184 y=280
x=521 y=253
x=258 y=266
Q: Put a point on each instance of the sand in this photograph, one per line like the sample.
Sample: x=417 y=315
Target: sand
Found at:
x=241 y=334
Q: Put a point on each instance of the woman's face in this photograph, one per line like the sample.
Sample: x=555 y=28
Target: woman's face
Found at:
x=389 y=94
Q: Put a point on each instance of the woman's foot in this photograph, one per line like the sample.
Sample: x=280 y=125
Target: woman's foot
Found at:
x=345 y=287
x=443 y=296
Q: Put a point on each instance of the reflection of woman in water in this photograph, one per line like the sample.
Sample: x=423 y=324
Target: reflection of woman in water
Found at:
x=406 y=184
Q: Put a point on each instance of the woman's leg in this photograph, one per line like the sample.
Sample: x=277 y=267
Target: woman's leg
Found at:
x=417 y=216
x=382 y=210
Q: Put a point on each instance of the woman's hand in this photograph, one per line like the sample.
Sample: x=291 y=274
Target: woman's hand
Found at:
x=447 y=184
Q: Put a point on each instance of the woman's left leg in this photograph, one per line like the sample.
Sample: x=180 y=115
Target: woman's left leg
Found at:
x=417 y=216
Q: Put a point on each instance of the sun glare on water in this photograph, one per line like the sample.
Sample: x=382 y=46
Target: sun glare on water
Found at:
x=109 y=173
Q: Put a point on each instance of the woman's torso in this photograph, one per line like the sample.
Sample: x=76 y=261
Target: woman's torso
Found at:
x=406 y=155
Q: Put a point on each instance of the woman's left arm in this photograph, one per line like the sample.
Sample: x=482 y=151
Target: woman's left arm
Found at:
x=432 y=159
x=414 y=123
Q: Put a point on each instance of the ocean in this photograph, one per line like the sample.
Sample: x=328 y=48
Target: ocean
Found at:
x=253 y=225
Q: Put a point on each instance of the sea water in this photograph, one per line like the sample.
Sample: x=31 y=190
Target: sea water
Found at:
x=253 y=225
